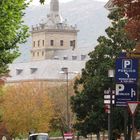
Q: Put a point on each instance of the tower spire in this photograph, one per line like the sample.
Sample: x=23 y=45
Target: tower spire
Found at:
x=54 y=16
x=54 y=6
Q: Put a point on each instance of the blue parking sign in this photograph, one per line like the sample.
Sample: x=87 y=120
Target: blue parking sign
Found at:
x=126 y=70
x=125 y=93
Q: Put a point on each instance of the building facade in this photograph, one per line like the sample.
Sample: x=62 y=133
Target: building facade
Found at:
x=54 y=47
x=52 y=35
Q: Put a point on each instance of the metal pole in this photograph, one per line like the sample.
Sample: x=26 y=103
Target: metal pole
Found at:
x=111 y=114
x=68 y=119
x=109 y=124
x=133 y=128
x=111 y=75
x=110 y=117
x=125 y=124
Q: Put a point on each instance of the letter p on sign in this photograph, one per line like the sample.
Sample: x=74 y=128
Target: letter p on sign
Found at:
x=119 y=88
x=127 y=64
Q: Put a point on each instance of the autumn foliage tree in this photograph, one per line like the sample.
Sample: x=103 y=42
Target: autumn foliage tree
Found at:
x=131 y=10
x=27 y=107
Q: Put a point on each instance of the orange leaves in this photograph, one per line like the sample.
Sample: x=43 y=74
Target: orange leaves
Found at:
x=27 y=107
x=34 y=106
x=133 y=28
x=132 y=11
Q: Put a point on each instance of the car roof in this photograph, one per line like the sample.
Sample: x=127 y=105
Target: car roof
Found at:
x=39 y=134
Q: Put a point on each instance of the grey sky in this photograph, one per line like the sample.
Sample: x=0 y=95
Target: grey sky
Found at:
x=36 y=2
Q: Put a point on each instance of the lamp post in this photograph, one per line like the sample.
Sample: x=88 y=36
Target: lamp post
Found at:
x=110 y=75
x=66 y=72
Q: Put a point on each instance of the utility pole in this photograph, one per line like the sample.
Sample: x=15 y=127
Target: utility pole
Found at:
x=66 y=72
x=110 y=75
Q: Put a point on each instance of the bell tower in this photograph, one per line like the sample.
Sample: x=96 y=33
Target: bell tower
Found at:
x=52 y=35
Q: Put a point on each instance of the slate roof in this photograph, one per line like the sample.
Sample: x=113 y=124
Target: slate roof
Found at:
x=44 y=70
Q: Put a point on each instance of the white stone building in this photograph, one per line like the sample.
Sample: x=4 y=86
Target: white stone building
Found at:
x=54 y=47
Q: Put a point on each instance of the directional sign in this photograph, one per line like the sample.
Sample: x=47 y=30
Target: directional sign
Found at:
x=108 y=96
x=126 y=70
x=68 y=136
x=125 y=93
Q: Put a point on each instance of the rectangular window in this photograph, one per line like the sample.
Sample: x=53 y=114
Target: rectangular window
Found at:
x=33 y=54
x=74 y=57
x=65 y=58
x=43 y=42
x=52 y=43
x=83 y=57
x=61 y=42
x=38 y=43
x=42 y=53
x=34 y=44
x=72 y=43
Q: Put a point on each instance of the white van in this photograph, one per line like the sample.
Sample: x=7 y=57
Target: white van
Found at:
x=39 y=136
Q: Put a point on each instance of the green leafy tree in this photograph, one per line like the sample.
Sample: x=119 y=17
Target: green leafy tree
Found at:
x=12 y=31
x=87 y=103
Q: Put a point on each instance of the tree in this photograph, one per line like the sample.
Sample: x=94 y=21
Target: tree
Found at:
x=42 y=1
x=12 y=31
x=27 y=107
x=87 y=103
x=58 y=95
x=131 y=10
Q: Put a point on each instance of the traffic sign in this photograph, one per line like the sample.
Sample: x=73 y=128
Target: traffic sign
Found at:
x=132 y=107
x=107 y=109
x=109 y=95
x=125 y=93
x=68 y=136
x=126 y=70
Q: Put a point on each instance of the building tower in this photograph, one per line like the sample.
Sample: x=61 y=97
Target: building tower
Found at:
x=52 y=35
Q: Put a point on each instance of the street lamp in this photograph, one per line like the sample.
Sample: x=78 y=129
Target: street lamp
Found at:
x=110 y=75
x=66 y=72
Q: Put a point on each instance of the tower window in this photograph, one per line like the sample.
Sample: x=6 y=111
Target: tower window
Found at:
x=61 y=42
x=43 y=42
x=38 y=43
x=33 y=54
x=72 y=43
x=52 y=42
x=34 y=44
x=37 y=53
x=43 y=53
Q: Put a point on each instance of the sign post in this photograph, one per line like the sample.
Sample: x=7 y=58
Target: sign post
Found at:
x=68 y=136
x=126 y=70
x=126 y=84
x=132 y=108
x=125 y=93
x=126 y=79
